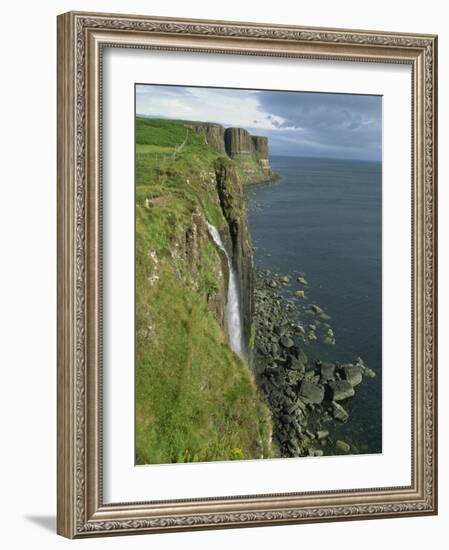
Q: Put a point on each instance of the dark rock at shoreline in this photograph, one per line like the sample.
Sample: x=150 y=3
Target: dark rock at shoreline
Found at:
x=353 y=374
x=342 y=446
x=311 y=393
x=339 y=413
x=286 y=342
x=301 y=395
x=327 y=371
x=340 y=390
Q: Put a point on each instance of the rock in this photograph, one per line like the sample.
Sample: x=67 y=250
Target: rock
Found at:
x=310 y=434
x=286 y=342
x=341 y=389
x=339 y=413
x=296 y=365
x=272 y=284
x=330 y=332
x=318 y=452
x=322 y=434
x=367 y=372
x=342 y=446
x=284 y=280
x=316 y=309
x=312 y=327
x=309 y=375
x=298 y=354
x=311 y=393
x=294 y=406
x=327 y=371
x=293 y=377
x=300 y=294
x=301 y=280
x=311 y=336
x=352 y=374
x=329 y=341
x=325 y=317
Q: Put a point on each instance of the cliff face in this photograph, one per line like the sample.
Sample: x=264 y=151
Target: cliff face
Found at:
x=189 y=382
x=248 y=151
x=230 y=193
x=213 y=134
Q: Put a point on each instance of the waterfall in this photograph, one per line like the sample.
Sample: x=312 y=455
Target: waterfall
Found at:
x=233 y=303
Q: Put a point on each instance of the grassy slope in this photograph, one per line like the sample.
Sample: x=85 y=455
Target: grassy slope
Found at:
x=195 y=399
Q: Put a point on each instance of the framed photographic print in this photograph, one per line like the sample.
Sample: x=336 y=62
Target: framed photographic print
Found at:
x=246 y=274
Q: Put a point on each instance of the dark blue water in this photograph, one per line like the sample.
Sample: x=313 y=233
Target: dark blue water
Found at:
x=323 y=220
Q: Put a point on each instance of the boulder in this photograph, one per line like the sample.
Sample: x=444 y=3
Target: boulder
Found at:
x=341 y=389
x=293 y=377
x=316 y=309
x=286 y=341
x=296 y=364
x=294 y=406
x=352 y=374
x=322 y=434
x=284 y=280
x=299 y=354
x=300 y=294
x=339 y=413
x=327 y=371
x=301 y=280
x=311 y=393
x=342 y=446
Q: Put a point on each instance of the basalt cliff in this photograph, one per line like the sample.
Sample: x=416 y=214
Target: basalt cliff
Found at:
x=248 y=151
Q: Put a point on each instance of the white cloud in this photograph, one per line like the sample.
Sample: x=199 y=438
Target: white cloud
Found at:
x=224 y=106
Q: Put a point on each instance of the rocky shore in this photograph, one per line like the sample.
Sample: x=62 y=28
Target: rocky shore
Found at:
x=306 y=398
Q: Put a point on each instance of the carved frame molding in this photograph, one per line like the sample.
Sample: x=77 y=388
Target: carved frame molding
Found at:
x=81 y=39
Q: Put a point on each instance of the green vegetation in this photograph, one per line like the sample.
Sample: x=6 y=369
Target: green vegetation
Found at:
x=195 y=399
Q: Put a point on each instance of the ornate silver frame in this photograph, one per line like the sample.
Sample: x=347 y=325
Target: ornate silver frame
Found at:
x=81 y=39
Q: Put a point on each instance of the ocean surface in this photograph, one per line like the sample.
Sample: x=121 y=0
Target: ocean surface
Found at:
x=323 y=220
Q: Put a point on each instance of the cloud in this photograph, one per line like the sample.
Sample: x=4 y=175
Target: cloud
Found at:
x=333 y=124
x=296 y=123
x=229 y=107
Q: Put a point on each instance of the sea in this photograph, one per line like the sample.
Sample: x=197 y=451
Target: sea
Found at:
x=322 y=220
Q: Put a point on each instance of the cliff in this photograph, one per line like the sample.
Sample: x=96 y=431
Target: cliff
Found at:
x=195 y=398
x=250 y=153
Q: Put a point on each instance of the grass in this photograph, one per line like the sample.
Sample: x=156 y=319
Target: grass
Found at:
x=196 y=400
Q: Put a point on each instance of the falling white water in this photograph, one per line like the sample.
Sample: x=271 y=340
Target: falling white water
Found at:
x=233 y=302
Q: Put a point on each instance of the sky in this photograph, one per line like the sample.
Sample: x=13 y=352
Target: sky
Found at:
x=302 y=124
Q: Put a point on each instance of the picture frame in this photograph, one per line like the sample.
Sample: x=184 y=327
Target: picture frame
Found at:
x=82 y=40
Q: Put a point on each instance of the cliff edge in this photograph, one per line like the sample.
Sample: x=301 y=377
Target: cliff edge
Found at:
x=250 y=153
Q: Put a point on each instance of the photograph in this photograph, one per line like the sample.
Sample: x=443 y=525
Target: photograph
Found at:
x=258 y=274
